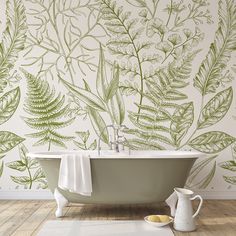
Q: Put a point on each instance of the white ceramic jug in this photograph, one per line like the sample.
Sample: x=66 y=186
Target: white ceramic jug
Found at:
x=184 y=217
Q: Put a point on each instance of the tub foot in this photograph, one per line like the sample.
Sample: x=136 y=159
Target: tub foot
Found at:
x=61 y=202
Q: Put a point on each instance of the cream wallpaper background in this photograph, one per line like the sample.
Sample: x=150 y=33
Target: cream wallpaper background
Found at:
x=165 y=69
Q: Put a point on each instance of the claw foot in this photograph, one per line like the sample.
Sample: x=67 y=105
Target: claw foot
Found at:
x=61 y=202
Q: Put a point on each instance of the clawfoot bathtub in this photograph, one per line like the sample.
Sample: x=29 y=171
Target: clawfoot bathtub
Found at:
x=141 y=177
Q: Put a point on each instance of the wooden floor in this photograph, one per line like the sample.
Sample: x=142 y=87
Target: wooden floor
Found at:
x=24 y=218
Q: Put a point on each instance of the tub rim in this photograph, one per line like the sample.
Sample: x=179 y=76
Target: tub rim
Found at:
x=159 y=154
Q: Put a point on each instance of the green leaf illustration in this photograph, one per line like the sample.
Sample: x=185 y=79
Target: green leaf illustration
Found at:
x=22 y=180
x=228 y=165
x=1 y=168
x=84 y=136
x=148 y=122
x=8 y=141
x=17 y=165
x=87 y=97
x=79 y=145
x=209 y=75
x=212 y=142
x=101 y=81
x=13 y=39
x=118 y=108
x=23 y=155
x=197 y=168
x=234 y=151
x=47 y=110
x=27 y=165
x=8 y=104
x=181 y=122
x=93 y=145
x=141 y=144
x=113 y=86
x=208 y=178
x=149 y=136
x=129 y=88
x=38 y=175
x=216 y=108
x=86 y=85
x=99 y=124
x=230 y=179
x=125 y=41
x=137 y=3
x=117 y=102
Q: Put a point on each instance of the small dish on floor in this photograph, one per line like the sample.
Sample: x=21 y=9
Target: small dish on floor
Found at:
x=156 y=223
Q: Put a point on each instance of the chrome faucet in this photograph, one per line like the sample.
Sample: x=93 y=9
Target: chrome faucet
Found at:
x=118 y=139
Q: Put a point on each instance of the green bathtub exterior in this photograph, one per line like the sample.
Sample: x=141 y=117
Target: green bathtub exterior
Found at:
x=126 y=180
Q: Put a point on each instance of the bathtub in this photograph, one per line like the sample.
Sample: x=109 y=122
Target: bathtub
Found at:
x=120 y=178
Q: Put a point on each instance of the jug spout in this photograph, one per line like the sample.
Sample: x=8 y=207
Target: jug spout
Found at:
x=171 y=202
x=181 y=192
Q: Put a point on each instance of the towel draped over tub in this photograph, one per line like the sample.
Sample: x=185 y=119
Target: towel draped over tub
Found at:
x=75 y=173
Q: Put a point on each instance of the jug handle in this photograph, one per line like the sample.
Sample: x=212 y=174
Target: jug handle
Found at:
x=199 y=206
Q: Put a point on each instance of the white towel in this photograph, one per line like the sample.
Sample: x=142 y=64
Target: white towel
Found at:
x=171 y=202
x=75 y=173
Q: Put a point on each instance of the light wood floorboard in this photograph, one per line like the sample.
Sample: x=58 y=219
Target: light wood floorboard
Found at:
x=25 y=218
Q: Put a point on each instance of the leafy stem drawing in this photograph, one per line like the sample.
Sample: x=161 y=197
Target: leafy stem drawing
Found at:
x=8 y=105
x=107 y=100
x=31 y=167
x=196 y=13
x=210 y=71
x=13 y=39
x=230 y=166
x=147 y=7
x=127 y=28
x=82 y=144
x=163 y=110
x=214 y=141
x=54 y=24
x=213 y=111
x=174 y=39
x=52 y=20
x=155 y=7
x=170 y=10
x=126 y=41
x=67 y=43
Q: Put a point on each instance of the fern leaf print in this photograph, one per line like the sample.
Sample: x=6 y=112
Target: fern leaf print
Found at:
x=47 y=111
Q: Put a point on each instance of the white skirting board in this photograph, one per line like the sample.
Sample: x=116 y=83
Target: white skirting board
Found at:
x=46 y=194
x=26 y=194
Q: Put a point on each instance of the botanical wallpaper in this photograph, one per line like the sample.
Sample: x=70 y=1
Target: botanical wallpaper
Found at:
x=164 y=68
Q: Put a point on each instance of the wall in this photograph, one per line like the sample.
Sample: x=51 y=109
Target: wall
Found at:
x=165 y=69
